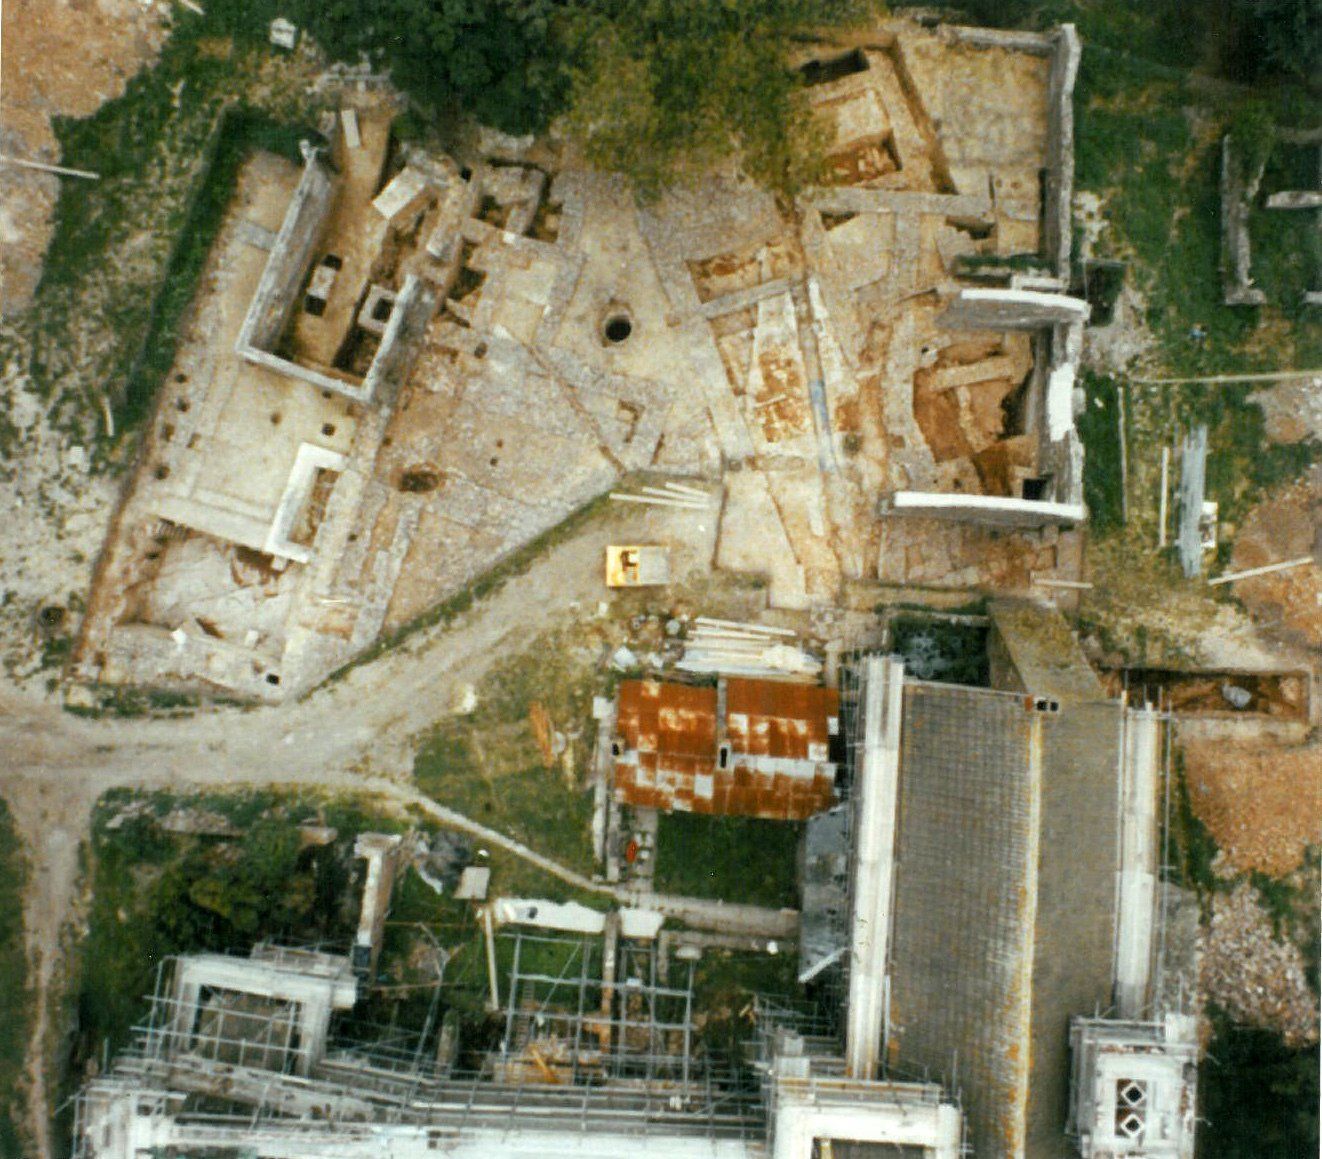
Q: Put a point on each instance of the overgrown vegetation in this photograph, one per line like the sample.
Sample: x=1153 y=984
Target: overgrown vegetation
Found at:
x=935 y=648
x=1195 y=846
x=1240 y=40
x=1149 y=148
x=743 y=859
x=655 y=89
x=128 y=249
x=1149 y=143
x=157 y=893
x=491 y=765
x=1257 y=1096
x=14 y=1007
x=241 y=131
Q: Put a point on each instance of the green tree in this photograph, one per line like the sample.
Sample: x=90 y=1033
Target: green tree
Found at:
x=664 y=89
x=1275 y=39
x=494 y=59
x=658 y=90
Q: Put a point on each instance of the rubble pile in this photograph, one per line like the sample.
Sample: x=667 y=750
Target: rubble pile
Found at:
x=1254 y=976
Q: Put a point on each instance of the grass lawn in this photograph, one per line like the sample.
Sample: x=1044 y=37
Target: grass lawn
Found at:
x=13 y=988
x=738 y=859
x=1148 y=144
x=488 y=765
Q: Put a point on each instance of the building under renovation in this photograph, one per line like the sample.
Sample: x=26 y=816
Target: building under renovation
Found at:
x=997 y=982
x=404 y=366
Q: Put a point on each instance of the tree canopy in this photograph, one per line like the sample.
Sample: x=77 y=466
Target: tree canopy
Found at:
x=655 y=89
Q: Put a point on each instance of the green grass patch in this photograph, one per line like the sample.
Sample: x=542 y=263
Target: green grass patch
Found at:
x=127 y=250
x=1196 y=847
x=1149 y=145
x=1149 y=141
x=737 y=859
x=1243 y=465
x=488 y=765
x=14 y=997
x=240 y=132
x=1099 y=428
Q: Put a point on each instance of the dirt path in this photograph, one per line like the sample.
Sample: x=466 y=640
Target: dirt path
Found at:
x=357 y=735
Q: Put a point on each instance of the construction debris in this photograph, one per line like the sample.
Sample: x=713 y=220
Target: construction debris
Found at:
x=284 y=33
x=1254 y=976
x=746 y=650
x=671 y=495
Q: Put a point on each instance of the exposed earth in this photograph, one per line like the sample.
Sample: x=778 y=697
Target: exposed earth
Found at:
x=1263 y=805
x=62 y=58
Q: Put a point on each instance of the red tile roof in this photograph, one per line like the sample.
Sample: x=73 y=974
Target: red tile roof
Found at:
x=777 y=764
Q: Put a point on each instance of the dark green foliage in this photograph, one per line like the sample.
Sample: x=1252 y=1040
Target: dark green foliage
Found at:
x=743 y=859
x=1257 y=1095
x=939 y=649
x=1267 y=40
x=664 y=88
x=1099 y=428
x=1241 y=40
x=494 y=59
x=158 y=894
x=656 y=89
x=13 y=988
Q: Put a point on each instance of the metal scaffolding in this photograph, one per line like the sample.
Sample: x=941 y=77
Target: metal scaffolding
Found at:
x=597 y=1020
x=218 y=1066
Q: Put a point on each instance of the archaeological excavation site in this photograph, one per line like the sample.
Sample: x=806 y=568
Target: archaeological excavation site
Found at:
x=686 y=580
x=405 y=366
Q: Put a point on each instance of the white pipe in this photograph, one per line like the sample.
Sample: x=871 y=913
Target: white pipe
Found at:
x=40 y=167
x=1165 y=486
x=680 y=489
x=491 y=958
x=657 y=502
x=1275 y=376
x=767 y=628
x=1267 y=569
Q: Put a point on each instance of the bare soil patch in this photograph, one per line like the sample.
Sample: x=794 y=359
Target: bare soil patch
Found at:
x=1263 y=805
x=1286 y=527
x=61 y=58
